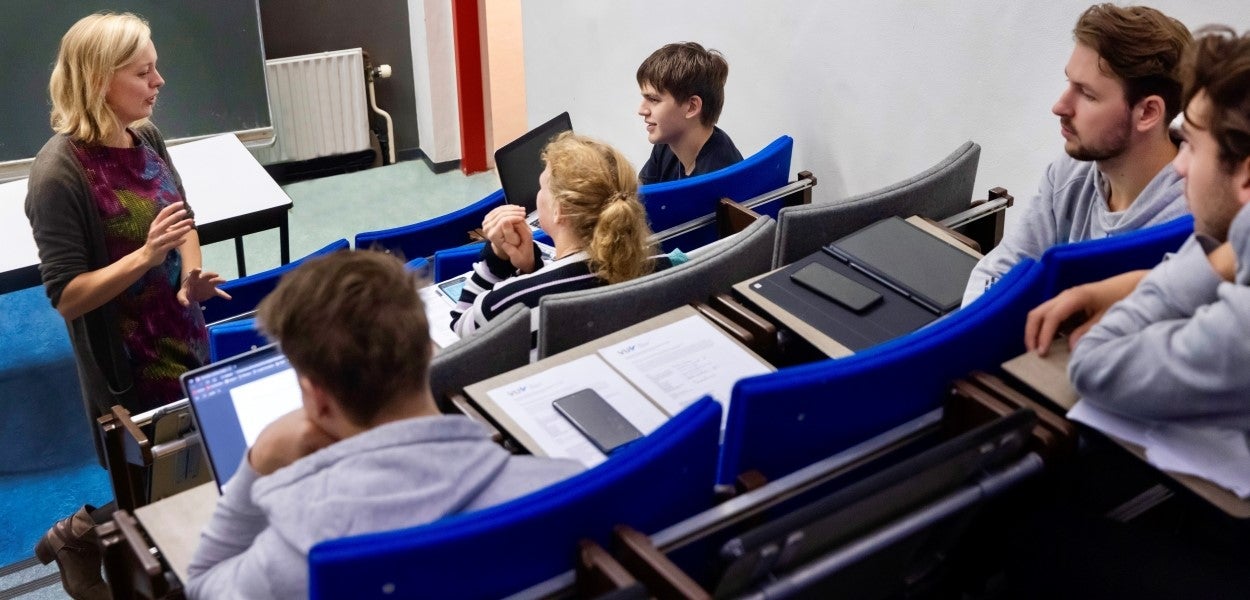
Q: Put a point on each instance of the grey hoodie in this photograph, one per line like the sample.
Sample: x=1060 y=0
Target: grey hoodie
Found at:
x=396 y=475
x=1071 y=206
x=1178 y=347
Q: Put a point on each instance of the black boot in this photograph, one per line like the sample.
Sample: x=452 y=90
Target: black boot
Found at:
x=71 y=542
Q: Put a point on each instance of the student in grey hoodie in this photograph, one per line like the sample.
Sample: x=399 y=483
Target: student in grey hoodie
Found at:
x=1123 y=90
x=367 y=452
x=1175 y=345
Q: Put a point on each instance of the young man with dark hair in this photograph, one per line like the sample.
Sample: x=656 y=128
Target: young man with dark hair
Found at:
x=1171 y=343
x=683 y=90
x=367 y=452
x=1123 y=91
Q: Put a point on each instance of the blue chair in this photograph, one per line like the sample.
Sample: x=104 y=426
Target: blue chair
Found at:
x=248 y=291
x=233 y=338
x=673 y=203
x=786 y=420
x=419 y=265
x=427 y=237
x=1092 y=260
x=651 y=484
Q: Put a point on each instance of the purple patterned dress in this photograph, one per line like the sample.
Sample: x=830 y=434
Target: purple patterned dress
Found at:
x=162 y=338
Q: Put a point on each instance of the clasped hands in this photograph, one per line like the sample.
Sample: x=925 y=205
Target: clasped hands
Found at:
x=510 y=237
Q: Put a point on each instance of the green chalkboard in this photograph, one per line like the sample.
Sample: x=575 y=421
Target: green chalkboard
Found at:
x=210 y=52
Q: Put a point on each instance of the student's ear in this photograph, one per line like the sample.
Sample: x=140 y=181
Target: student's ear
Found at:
x=1150 y=112
x=1241 y=180
x=318 y=404
x=694 y=107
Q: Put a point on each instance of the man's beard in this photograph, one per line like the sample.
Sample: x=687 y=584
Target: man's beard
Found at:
x=1112 y=145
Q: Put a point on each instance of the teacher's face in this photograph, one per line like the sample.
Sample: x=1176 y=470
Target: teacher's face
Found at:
x=131 y=94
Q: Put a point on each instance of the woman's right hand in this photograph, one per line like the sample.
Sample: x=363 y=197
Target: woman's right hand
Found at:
x=168 y=230
x=510 y=236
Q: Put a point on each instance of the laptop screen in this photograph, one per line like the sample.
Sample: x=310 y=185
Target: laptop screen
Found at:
x=233 y=400
x=520 y=162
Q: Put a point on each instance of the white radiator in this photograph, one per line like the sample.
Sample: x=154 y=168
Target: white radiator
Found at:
x=318 y=106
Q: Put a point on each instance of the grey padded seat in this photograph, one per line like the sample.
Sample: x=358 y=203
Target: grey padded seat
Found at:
x=500 y=346
x=574 y=318
x=939 y=192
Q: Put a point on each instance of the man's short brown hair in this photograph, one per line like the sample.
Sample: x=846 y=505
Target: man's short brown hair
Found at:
x=353 y=324
x=1219 y=65
x=686 y=69
x=1141 y=47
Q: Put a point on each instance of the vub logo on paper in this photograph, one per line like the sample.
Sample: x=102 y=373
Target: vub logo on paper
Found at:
x=627 y=350
x=517 y=390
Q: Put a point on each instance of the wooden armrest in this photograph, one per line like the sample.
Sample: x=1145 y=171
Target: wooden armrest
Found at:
x=963 y=239
x=986 y=226
x=764 y=331
x=598 y=572
x=733 y=329
x=750 y=480
x=732 y=217
x=125 y=447
x=131 y=568
x=461 y=403
x=663 y=578
x=1065 y=431
x=477 y=235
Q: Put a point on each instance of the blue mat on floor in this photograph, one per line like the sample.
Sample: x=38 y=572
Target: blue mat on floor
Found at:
x=31 y=502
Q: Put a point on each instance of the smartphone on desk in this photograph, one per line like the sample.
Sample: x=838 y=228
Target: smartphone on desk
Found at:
x=597 y=420
x=835 y=286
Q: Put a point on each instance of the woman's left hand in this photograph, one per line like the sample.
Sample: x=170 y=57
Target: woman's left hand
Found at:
x=199 y=286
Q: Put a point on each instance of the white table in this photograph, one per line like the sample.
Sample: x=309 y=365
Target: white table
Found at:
x=231 y=193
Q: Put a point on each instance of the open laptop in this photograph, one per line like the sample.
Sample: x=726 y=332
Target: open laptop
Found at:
x=927 y=270
x=520 y=163
x=234 y=399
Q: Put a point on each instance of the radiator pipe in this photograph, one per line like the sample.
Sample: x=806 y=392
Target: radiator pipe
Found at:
x=383 y=72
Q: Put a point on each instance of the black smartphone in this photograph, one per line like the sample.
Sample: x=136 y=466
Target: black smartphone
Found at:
x=597 y=420
x=836 y=286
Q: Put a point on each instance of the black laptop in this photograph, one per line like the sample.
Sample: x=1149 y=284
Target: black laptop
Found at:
x=234 y=399
x=520 y=162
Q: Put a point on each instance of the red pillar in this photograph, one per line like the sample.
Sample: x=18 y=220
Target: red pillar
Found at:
x=464 y=21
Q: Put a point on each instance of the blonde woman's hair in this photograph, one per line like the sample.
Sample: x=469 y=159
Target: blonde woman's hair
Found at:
x=597 y=190
x=91 y=51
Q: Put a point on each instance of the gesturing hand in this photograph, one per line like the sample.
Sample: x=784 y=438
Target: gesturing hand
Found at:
x=168 y=230
x=1086 y=303
x=199 y=286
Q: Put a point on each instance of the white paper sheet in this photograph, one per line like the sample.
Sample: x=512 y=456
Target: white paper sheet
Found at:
x=1218 y=455
x=438 y=312
x=681 y=362
x=528 y=402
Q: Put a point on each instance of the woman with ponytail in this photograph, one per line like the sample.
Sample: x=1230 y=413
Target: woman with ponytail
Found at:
x=588 y=203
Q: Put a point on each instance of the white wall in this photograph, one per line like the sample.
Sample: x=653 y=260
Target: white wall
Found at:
x=434 y=79
x=872 y=92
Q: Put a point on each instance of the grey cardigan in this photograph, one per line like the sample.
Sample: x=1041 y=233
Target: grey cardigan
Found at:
x=70 y=239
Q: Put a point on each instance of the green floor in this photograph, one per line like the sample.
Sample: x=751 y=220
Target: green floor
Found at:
x=341 y=206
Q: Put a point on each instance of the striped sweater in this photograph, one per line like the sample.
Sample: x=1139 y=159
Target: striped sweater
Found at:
x=495 y=286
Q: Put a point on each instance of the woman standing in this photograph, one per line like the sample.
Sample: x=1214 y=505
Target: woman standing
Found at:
x=118 y=251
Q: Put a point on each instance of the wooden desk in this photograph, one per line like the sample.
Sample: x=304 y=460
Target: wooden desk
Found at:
x=1049 y=377
x=231 y=193
x=174 y=524
x=821 y=341
x=478 y=393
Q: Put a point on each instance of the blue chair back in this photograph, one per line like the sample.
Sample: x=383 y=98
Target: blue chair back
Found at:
x=233 y=338
x=651 y=484
x=1093 y=260
x=783 y=421
x=247 y=292
x=419 y=265
x=673 y=203
x=427 y=237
